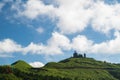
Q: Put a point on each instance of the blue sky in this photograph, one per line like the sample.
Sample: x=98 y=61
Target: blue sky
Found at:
x=40 y=31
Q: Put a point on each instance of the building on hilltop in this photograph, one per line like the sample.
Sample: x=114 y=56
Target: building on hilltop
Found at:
x=76 y=55
x=84 y=55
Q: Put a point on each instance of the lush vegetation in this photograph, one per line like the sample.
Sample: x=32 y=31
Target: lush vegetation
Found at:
x=68 y=69
x=21 y=65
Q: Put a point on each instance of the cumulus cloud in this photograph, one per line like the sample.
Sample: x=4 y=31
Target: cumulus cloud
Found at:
x=8 y=46
x=82 y=44
x=55 y=45
x=58 y=43
x=36 y=64
x=59 y=40
x=75 y=16
x=35 y=8
x=109 y=47
x=106 y=17
x=33 y=48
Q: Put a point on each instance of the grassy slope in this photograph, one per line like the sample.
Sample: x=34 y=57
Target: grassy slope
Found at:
x=80 y=68
x=68 y=69
x=21 y=65
x=81 y=62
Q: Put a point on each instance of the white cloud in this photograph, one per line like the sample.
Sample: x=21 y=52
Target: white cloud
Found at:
x=36 y=64
x=59 y=40
x=58 y=43
x=55 y=45
x=35 y=8
x=109 y=47
x=106 y=17
x=40 y=30
x=8 y=46
x=33 y=48
x=81 y=43
x=75 y=16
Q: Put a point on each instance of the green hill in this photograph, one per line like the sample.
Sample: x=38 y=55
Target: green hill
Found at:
x=79 y=68
x=83 y=69
x=21 y=65
x=81 y=63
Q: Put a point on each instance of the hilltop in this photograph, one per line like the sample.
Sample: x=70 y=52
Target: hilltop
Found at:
x=84 y=69
x=75 y=68
x=21 y=65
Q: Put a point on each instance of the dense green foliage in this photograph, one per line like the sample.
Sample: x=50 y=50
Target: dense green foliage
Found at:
x=68 y=69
